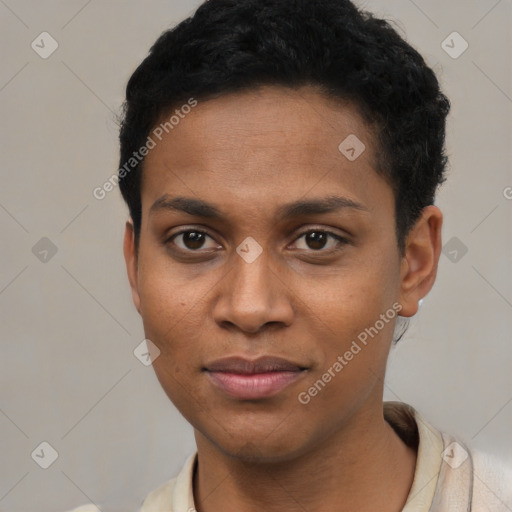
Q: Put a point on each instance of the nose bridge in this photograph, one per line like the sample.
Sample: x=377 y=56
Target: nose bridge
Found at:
x=252 y=294
x=251 y=283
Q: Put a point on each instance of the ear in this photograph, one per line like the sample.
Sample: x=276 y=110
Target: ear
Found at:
x=421 y=257
x=130 y=257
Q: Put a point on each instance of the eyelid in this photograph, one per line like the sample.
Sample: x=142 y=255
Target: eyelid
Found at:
x=341 y=239
x=195 y=229
x=324 y=229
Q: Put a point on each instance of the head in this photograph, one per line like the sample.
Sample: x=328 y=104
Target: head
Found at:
x=283 y=206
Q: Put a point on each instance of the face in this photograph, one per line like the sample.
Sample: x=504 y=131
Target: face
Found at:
x=278 y=255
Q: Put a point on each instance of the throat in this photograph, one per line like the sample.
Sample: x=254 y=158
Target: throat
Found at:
x=377 y=474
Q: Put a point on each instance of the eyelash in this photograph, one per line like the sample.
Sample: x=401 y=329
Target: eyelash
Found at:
x=341 y=240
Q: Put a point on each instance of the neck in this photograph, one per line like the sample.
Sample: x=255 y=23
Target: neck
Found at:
x=363 y=466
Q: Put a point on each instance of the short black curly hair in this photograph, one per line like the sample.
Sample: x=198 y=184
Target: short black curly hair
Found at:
x=235 y=45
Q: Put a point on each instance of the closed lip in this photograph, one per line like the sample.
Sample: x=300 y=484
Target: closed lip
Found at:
x=243 y=366
x=253 y=379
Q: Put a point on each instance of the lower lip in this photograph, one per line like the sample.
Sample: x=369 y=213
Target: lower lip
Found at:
x=253 y=386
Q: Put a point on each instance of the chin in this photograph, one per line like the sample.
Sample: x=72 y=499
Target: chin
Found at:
x=263 y=445
x=260 y=453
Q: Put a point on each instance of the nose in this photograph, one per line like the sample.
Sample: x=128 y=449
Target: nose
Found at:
x=252 y=296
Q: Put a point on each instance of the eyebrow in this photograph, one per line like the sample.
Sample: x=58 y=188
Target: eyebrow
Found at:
x=200 y=208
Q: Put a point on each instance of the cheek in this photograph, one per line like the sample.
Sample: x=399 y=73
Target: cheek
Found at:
x=352 y=345
x=169 y=309
x=164 y=295
x=352 y=298
x=345 y=319
x=170 y=317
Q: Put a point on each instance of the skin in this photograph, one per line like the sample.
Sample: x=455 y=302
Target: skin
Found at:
x=302 y=300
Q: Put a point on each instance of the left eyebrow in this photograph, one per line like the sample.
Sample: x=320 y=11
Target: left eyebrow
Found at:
x=318 y=206
x=200 y=208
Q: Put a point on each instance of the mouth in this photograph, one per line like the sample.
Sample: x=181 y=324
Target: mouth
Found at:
x=253 y=379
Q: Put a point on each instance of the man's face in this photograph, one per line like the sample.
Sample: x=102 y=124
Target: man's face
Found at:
x=304 y=299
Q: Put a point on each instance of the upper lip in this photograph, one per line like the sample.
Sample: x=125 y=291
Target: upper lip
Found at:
x=263 y=364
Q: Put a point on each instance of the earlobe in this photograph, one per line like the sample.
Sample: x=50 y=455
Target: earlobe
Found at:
x=130 y=257
x=420 y=260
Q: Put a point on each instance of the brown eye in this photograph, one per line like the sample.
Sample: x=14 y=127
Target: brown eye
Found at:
x=191 y=240
x=316 y=240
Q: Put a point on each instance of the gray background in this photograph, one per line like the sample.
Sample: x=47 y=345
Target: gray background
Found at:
x=68 y=375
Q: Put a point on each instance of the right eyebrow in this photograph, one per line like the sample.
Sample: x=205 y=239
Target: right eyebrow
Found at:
x=195 y=207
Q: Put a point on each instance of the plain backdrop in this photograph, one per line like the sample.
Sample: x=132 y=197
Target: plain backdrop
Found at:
x=68 y=374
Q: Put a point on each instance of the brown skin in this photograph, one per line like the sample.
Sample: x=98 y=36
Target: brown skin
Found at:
x=249 y=153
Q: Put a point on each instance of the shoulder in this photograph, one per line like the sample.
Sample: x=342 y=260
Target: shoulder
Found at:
x=484 y=482
x=492 y=483
x=159 y=499
x=175 y=494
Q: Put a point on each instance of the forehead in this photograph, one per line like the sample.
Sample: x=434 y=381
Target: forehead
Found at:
x=262 y=145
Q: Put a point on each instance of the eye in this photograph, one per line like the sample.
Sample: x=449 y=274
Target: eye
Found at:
x=317 y=240
x=191 y=240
